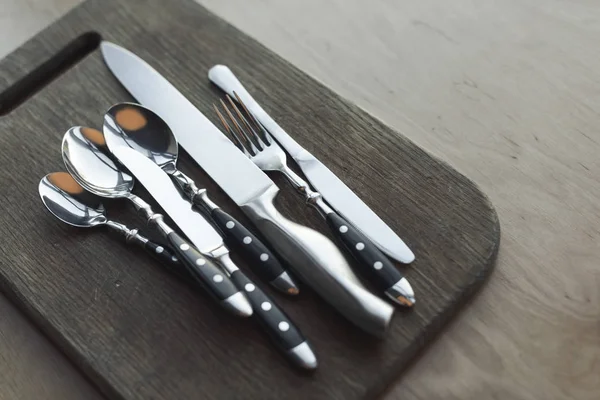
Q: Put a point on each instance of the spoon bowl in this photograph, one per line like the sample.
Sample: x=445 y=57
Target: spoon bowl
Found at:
x=144 y=131
x=82 y=151
x=69 y=202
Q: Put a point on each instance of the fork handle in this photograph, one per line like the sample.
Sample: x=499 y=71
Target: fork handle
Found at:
x=259 y=257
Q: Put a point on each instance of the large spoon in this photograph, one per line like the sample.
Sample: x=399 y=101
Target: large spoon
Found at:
x=146 y=132
x=71 y=204
x=98 y=174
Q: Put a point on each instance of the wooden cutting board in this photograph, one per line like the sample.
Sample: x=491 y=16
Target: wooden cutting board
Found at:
x=137 y=332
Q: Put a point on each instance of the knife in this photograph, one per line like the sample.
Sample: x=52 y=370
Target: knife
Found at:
x=273 y=320
x=337 y=194
x=311 y=255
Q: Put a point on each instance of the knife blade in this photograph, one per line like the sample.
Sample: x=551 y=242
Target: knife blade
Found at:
x=334 y=191
x=311 y=255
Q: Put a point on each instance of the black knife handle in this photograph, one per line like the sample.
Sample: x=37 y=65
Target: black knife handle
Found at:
x=276 y=324
x=262 y=261
x=204 y=271
x=373 y=264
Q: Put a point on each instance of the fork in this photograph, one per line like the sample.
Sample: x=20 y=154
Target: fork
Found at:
x=258 y=145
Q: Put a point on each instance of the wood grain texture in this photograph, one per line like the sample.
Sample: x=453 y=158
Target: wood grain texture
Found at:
x=138 y=333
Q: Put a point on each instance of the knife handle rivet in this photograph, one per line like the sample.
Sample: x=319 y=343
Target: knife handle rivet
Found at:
x=200 y=261
x=218 y=278
x=283 y=326
x=249 y=287
x=343 y=229
x=360 y=246
x=264 y=257
x=266 y=306
x=159 y=249
x=378 y=265
x=230 y=225
x=247 y=240
x=184 y=247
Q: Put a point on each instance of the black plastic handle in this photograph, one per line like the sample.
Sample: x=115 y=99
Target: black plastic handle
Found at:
x=374 y=265
x=278 y=326
x=161 y=253
x=262 y=261
x=204 y=271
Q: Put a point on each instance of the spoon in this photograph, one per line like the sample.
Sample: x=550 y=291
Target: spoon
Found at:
x=98 y=174
x=71 y=204
x=144 y=131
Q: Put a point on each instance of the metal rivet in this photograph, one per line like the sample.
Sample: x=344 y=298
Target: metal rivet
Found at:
x=184 y=247
x=230 y=225
x=378 y=265
x=200 y=261
x=264 y=257
x=360 y=246
x=284 y=326
x=266 y=306
x=247 y=240
x=343 y=229
x=159 y=249
x=218 y=278
x=249 y=287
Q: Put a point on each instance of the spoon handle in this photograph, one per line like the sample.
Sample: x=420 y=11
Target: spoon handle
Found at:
x=203 y=271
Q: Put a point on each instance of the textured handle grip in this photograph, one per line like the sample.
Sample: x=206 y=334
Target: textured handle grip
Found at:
x=259 y=257
x=274 y=321
x=373 y=264
x=207 y=274
x=161 y=253
x=319 y=263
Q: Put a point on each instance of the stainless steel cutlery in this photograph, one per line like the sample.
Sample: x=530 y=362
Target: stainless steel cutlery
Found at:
x=98 y=174
x=335 y=192
x=144 y=131
x=258 y=145
x=313 y=257
x=142 y=141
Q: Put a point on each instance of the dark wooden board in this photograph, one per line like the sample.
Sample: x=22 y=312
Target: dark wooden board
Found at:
x=141 y=334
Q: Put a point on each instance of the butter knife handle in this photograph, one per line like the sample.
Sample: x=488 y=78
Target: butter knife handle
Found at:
x=225 y=79
x=262 y=261
x=318 y=262
x=274 y=322
x=371 y=262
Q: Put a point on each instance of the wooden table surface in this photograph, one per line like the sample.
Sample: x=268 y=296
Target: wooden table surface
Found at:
x=506 y=92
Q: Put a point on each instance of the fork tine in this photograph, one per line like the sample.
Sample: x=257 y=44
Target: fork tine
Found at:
x=250 y=132
x=259 y=127
x=232 y=136
x=240 y=132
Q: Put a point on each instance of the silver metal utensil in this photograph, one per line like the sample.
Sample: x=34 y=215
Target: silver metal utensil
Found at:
x=314 y=258
x=258 y=145
x=270 y=316
x=334 y=191
x=73 y=205
x=144 y=131
x=98 y=174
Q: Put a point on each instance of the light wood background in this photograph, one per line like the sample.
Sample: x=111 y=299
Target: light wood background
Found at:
x=509 y=94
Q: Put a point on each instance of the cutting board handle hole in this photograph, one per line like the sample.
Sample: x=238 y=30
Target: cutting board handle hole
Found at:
x=36 y=80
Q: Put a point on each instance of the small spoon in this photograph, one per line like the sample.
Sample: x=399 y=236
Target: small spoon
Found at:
x=71 y=204
x=144 y=131
x=98 y=174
